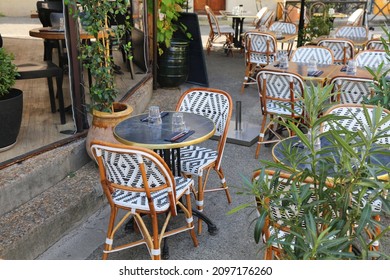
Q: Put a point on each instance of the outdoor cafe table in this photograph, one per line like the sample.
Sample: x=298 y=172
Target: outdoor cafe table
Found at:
x=133 y=131
x=49 y=33
x=301 y=69
x=237 y=25
x=279 y=155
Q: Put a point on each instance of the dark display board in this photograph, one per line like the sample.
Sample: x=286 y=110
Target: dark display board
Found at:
x=197 y=65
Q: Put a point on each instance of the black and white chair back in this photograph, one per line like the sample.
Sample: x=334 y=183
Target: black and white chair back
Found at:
x=284 y=27
x=352 y=32
x=343 y=49
x=372 y=58
x=356 y=120
x=322 y=55
x=352 y=89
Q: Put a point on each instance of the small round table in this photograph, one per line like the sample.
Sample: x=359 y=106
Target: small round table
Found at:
x=133 y=131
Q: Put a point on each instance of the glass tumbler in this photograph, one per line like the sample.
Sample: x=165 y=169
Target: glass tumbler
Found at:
x=312 y=67
x=154 y=118
x=351 y=67
x=178 y=124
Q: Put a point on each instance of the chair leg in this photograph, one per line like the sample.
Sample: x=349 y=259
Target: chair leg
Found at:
x=51 y=94
x=199 y=201
x=261 y=135
x=60 y=95
x=223 y=184
x=246 y=78
x=190 y=219
x=109 y=235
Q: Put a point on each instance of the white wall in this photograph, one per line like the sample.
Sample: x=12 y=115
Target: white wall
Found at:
x=17 y=8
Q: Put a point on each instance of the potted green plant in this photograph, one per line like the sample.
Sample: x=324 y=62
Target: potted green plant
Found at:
x=172 y=52
x=324 y=218
x=96 y=57
x=382 y=76
x=11 y=102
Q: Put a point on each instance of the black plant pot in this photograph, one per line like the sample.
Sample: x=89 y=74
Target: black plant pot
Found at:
x=11 y=109
x=173 y=64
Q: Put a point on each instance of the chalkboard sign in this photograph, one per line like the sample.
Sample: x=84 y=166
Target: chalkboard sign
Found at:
x=197 y=66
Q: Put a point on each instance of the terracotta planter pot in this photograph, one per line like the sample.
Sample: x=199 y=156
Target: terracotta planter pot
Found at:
x=103 y=124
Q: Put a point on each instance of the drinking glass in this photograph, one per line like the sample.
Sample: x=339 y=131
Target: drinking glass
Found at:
x=154 y=118
x=178 y=124
x=283 y=60
x=351 y=67
x=278 y=33
x=312 y=65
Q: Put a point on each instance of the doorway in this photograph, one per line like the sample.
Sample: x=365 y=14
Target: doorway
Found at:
x=215 y=5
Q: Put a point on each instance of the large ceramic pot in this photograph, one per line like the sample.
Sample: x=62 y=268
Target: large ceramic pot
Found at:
x=11 y=109
x=173 y=64
x=103 y=124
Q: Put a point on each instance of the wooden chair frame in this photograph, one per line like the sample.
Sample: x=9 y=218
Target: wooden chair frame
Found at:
x=222 y=130
x=111 y=186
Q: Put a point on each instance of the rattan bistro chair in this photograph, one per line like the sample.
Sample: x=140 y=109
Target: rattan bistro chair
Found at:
x=371 y=58
x=138 y=181
x=357 y=117
x=322 y=55
x=347 y=31
x=343 y=49
x=217 y=31
x=352 y=89
x=276 y=208
x=260 y=50
x=278 y=91
x=199 y=161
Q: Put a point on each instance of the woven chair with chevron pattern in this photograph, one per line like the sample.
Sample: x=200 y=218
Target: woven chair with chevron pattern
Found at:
x=343 y=49
x=137 y=180
x=321 y=54
x=260 y=50
x=352 y=89
x=266 y=20
x=352 y=32
x=375 y=44
x=278 y=92
x=356 y=18
x=355 y=119
x=285 y=28
x=260 y=14
x=277 y=212
x=371 y=58
x=217 y=31
x=197 y=161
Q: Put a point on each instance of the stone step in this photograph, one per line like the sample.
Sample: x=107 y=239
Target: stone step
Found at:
x=70 y=194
